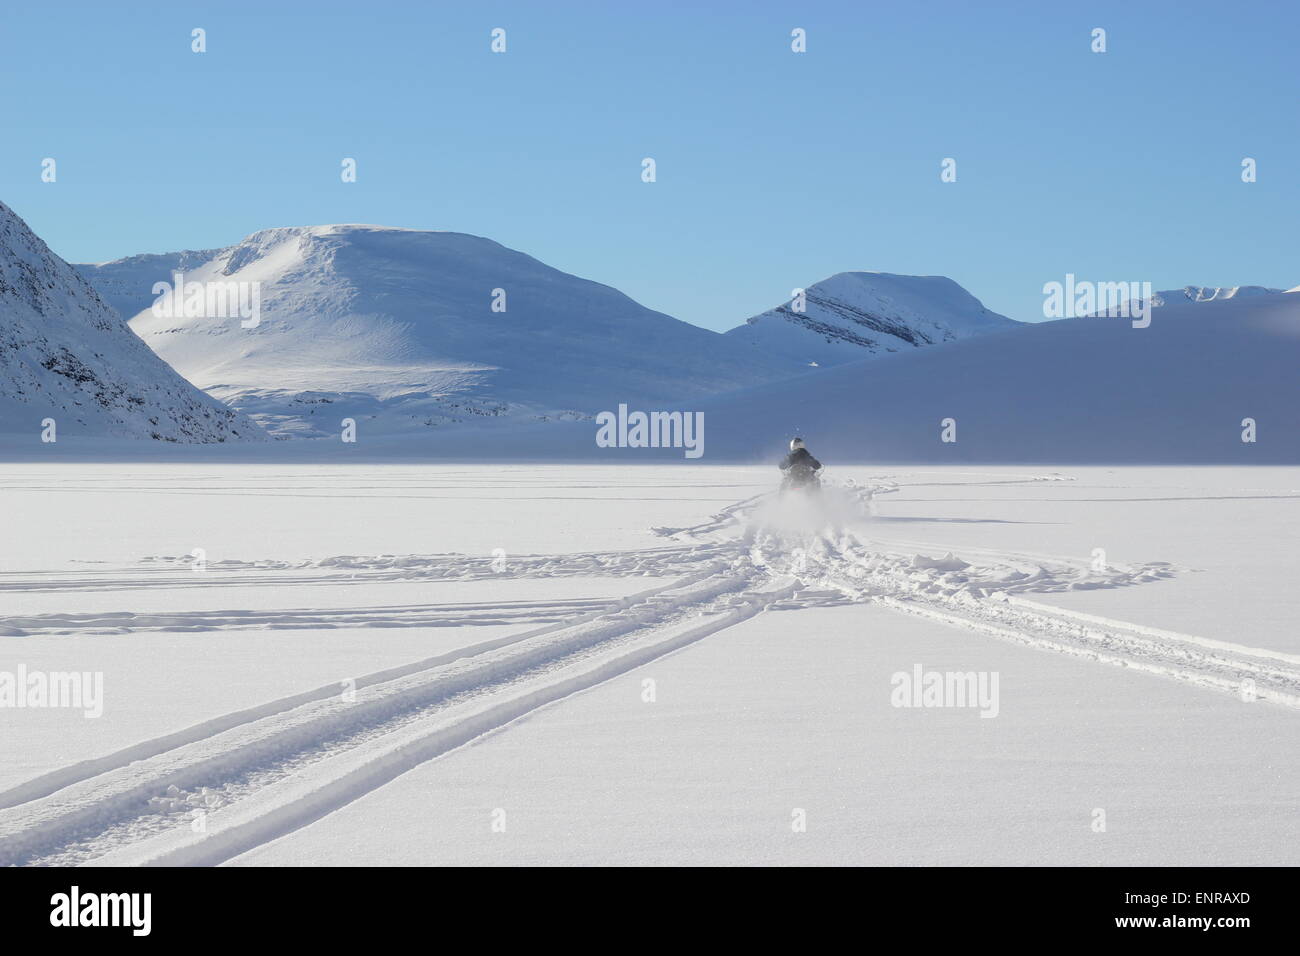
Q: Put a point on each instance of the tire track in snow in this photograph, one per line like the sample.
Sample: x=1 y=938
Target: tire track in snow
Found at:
x=134 y=805
x=987 y=600
x=171 y=572
x=263 y=772
x=386 y=616
x=64 y=776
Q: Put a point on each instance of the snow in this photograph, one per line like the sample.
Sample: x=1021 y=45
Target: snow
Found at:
x=66 y=356
x=393 y=330
x=1087 y=390
x=477 y=635
x=777 y=721
x=396 y=328
x=497 y=624
x=1190 y=294
x=853 y=315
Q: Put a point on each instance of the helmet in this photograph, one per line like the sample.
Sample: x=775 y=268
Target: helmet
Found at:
x=796 y=443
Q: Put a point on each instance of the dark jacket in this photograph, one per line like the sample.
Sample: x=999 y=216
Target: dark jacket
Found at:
x=800 y=460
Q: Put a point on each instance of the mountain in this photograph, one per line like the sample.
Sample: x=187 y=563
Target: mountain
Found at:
x=1090 y=390
x=853 y=315
x=1192 y=294
x=1074 y=391
x=66 y=355
x=126 y=283
x=396 y=328
x=1205 y=293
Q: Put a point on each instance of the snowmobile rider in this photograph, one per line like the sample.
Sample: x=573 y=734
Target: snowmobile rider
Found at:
x=799 y=466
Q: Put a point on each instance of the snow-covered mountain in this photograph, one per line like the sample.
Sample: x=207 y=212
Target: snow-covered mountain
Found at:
x=1205 y=293
x=1088 y=389
x=854 y=315
x=1191 y=294
x=125 y=284
x=397 y=328
x=65 y=355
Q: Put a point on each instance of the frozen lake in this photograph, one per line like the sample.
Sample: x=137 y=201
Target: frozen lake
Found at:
x=419 y=664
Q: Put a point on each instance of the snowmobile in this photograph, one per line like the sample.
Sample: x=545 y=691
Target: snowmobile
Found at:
x=800 y=469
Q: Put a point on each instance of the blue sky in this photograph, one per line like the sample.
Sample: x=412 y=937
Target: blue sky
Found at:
x=775 y=169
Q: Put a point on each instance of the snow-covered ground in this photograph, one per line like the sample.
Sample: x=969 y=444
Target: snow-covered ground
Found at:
x=407 y=663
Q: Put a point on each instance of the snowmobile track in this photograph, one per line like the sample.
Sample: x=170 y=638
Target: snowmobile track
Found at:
x=205 y=794
x=256 y=774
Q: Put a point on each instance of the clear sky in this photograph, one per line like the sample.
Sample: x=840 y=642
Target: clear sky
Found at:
x=774 y=169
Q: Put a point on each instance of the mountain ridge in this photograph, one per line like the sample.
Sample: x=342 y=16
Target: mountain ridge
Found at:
x=66 y=356
x=409 y=328
x=849 y=316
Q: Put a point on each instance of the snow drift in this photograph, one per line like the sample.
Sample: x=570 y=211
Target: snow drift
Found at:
x=65 y=355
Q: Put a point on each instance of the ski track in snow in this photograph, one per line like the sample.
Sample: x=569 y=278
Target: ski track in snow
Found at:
x=254 y=775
